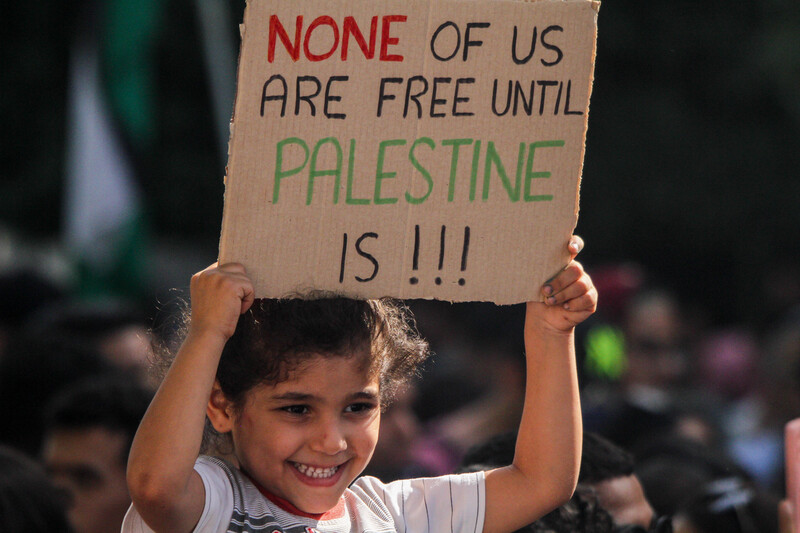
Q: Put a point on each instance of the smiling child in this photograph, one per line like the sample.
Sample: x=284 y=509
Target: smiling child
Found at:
x=296 y=388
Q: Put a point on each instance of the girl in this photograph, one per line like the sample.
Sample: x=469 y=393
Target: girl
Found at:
x=298 y=385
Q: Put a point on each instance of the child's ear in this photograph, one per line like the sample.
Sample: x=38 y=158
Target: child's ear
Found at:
x=220 y=410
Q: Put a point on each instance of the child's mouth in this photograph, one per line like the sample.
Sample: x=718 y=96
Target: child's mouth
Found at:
x=316 y=472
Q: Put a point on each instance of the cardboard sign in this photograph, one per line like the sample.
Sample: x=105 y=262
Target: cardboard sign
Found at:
x=408 y=148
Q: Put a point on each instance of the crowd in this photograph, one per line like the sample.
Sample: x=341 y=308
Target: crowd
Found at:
x=684 y=422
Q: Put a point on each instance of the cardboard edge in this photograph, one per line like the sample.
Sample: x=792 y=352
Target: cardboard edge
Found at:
x=594 y=5
x=222 y=252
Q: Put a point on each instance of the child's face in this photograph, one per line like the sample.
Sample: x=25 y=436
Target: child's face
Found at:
x=306 y=439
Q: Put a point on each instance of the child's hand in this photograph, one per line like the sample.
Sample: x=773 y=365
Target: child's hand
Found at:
x=785 y=523
x=219 y=295
x=569 y=298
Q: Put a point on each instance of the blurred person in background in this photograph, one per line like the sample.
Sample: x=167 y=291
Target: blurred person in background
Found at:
x=32 y=371
x=727 y=505
x=22 y=293
x=490 y=367
x=728 y=366
x=694 y=483
x=581 y=514
x=29 y=503
x=727 y=361
x=607 y=486
x=650 y=392
x=609 y=470
x=117 y=330
x=756 y=430
x=657 y=366
x=89 y=428
x=402 y=451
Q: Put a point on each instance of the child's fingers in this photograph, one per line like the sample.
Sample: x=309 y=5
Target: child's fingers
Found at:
x=220 y=294
x=244 y=287
x=248 y=296
x=229 y=278
x=213 y=270
x=571 y=273
x=236 y=268
x=575 y=246
x=580 y=286
x=586 y=302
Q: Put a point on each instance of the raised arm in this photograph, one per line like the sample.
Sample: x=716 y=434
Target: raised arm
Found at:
x=164 y=487
x=547 y=456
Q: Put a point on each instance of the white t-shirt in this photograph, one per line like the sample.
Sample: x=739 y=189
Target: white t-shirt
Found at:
x=446 y=504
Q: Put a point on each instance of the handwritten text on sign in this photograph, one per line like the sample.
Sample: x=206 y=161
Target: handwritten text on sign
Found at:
x=413 y=149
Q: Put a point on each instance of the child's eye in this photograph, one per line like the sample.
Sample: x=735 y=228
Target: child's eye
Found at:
x=296 y=409
x=359 y=407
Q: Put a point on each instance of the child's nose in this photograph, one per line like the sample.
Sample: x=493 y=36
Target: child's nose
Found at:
x=329 y=439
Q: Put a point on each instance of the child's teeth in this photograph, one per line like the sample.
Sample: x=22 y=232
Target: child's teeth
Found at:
x=311 y=471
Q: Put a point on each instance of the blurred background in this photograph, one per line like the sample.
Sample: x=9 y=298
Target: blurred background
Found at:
x=115 y=118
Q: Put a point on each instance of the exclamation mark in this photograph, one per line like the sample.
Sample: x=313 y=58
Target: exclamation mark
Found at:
x=344 y=258
x=415 y=261
x=464 y=253
x=438 y=280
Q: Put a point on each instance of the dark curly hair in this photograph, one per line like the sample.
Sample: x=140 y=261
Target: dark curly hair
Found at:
x=274 y=337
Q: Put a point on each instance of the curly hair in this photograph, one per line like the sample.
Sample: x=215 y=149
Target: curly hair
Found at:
x=274 y=337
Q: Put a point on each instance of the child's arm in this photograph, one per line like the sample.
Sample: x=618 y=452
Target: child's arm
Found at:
x=547 y=456
x=167 y=492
